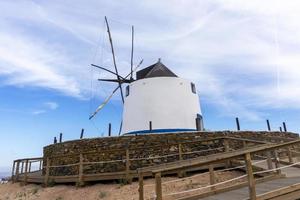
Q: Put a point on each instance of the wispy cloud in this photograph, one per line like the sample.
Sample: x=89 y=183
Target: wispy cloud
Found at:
x=45 y=107
x=51 y=105
x=244 y=56
x=38 y=112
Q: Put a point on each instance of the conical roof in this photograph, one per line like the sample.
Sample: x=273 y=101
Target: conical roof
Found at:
x=156 y=70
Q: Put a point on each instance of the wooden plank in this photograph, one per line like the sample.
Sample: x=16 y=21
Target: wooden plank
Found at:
x=17 y=171
x=46 y=178
x=139 y=148
x=22 y=167
x=128 y=178
x=41 y=164
x=36 y=158
x=219 y=157
x=279 y=192
x=227 y=149
x=289 y=196
x=29 y=170
x=212 y=178
x=181 y=173
x=276 y=160
x=13 y=171
x=251 y=180
x=158 y=188
x=269 y=160
x=226 y=189
x=289 y=153
x=246 y=140
x=180 y=151
x=26 y=172
x=141 y=186
x=80 y=173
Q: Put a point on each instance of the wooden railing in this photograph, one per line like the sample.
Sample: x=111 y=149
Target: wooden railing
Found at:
x=23 y=167
x=127 y=174
x=210 y=160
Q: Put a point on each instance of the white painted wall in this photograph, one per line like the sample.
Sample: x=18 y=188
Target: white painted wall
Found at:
x=166 y=101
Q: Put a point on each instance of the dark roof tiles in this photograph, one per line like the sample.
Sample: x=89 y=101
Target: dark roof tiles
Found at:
x=156 y=70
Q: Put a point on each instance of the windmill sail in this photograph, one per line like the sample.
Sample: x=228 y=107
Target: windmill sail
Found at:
x=114 y=91
x=114 y=58
x=104 y=103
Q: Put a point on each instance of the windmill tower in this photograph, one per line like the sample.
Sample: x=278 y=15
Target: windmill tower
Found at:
x=157 y=101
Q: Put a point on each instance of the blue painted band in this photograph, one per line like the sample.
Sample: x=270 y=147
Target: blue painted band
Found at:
x=159 y=131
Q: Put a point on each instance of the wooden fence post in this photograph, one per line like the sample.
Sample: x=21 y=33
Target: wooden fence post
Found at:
x=284 y=126
x=268 y=125
x=226 y=145
x=22 y=167
x=128 y=177
x=29 y=169
x=212 y=177
x=150 y=126
x=180 y=151
x=109 y=129
x=181 y=173
x=17 y=171
x=26 y=172
x=46 y=178
x=290 y=156
x=80 y=173
x=158 y=188
x=226 y=149
x=141 y=185
x=41 y=164
x=277 y=164
x=237 y=124
x=251 y=180
x=269 y=160
x=81 y=134
x=13 y=171
x=244 y=144
x=60 y=137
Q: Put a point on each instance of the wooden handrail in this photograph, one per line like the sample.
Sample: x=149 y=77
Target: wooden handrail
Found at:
x=29 y=159
x=139 y=148
x=212 y=159
x=247 y=140
x=226 y=156
x=37 y=159
x=159 y=146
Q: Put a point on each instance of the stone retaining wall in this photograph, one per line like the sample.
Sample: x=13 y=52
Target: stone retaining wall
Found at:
x=142 y=146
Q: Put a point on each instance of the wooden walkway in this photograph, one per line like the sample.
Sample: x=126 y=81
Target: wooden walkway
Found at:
x=261 y=188
x=273 y=152
x=292 y=175
x=255 y=189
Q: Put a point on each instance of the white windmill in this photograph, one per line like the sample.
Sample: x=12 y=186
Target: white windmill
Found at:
x=157 y=101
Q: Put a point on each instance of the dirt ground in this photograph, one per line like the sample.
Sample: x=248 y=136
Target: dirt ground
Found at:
x=109 y=191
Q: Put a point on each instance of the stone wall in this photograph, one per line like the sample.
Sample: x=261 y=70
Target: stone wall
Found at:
x=142 y=146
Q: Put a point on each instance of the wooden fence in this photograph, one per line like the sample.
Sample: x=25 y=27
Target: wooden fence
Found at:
x=22 y=167
x=270 y=150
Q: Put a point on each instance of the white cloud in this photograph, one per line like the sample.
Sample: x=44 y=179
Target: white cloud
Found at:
x=45 y=107
x=244 y=56
x=25 y=62
x=51 y=105
x=38 y=112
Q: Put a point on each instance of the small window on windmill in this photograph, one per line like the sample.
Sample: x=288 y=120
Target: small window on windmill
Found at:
x=193 y=88
x=127 y=90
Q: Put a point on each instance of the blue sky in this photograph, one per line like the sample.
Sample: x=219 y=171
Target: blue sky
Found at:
x=243 y=57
